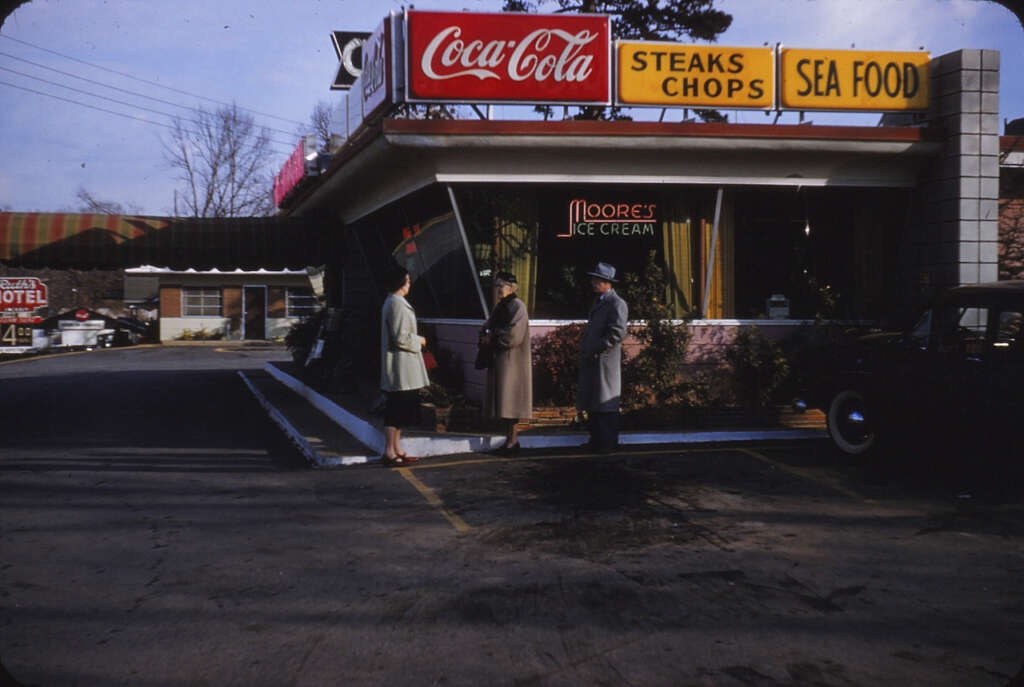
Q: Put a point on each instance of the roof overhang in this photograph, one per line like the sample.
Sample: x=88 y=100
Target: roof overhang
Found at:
x=401 y=155
x=1011 y=152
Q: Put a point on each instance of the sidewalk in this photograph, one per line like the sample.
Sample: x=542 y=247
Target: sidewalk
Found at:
x=336 y=429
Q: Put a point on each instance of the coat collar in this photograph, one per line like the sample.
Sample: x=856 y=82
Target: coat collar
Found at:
x=400 y=299
x=603 y=299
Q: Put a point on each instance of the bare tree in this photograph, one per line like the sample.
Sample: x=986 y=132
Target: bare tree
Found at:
x=223 y=160
x=319 y=124
x=93 y=205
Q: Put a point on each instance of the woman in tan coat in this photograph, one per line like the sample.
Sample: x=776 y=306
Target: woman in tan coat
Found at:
x=510 y=373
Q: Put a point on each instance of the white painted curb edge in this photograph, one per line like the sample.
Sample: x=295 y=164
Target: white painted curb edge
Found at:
x=360 y=429
x=300 y=441
x=442 y=446
x=373 y=437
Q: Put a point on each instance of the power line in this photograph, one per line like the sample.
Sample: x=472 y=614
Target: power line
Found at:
x=145 y=81
x=120 y=102
x=103 y=109
x=104 y=85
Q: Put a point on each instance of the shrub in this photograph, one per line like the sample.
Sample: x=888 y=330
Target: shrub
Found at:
x=302 y=335
x=654 y=374
x=201 y=334
x=759 y=367
x=556 y=365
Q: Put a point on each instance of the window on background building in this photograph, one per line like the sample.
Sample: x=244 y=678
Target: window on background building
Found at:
x=201 y=301
x=300 y=302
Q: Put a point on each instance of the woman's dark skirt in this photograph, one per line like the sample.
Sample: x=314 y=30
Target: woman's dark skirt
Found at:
x=402 y=408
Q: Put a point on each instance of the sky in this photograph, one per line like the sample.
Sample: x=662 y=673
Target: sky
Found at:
x=275 y=60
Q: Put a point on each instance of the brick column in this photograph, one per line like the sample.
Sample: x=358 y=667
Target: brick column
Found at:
x=957 y=240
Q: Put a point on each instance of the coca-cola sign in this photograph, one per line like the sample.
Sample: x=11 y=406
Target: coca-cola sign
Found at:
x=541 y=58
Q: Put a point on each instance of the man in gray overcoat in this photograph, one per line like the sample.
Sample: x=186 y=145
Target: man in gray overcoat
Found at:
x=600 y=380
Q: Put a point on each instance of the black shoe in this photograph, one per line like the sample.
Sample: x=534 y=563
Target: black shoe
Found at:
x=506 y=450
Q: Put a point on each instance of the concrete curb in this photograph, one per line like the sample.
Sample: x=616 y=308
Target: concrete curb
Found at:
x=305 y=448
x=454 y=444
x=362 y=430
x=315 y=457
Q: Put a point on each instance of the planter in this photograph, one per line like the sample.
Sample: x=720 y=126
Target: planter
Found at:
x=433 y=418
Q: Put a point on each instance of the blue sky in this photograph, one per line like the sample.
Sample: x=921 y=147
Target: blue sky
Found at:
x=276 y=59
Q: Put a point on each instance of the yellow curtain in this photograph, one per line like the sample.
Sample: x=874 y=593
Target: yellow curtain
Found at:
x=515 y=251
x=677 y=241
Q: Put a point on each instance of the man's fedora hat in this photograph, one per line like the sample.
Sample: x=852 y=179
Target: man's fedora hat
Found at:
x=604 y=271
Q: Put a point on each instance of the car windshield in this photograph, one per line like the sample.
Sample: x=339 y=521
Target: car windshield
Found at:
x=959 y=327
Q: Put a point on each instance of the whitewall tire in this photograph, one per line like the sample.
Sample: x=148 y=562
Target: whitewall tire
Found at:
x=849 y=424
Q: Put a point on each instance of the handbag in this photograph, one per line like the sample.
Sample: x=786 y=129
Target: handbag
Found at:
x=483 y=354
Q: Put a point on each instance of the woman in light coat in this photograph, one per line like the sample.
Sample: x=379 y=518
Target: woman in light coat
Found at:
x=402 y=369
x=510 y=374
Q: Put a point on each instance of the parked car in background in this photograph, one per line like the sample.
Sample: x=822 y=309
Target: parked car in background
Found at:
x=954 y=383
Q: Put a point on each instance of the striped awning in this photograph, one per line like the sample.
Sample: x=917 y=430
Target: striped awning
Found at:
x=84 y=241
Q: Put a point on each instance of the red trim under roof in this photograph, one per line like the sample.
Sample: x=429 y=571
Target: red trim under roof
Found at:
x=479 y=127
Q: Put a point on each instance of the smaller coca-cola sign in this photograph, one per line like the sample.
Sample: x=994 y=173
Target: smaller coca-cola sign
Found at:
x=300 y=164
x=81 y=315
x=524 y=58
x=22 y=294
x=377 y=74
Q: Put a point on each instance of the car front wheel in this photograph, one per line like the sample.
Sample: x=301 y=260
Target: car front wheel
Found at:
x=849 y=423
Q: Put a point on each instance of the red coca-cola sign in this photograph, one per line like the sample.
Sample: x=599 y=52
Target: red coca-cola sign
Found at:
x=531 y=58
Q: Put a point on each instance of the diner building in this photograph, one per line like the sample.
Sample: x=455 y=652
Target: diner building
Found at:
x=764 y=224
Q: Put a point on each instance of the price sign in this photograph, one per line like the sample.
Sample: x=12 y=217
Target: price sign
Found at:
x=12 y=335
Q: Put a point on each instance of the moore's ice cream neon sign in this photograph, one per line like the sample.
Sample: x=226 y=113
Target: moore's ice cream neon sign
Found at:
x=610 y=219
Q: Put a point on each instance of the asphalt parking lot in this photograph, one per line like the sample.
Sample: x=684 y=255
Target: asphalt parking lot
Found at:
x=765 y=565
x=157 y=530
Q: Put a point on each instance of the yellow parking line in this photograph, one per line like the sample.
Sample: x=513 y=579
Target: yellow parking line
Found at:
x=48 y=356
x=807 y=475
x=432 y=498
x=43 y=357
x=548 y=456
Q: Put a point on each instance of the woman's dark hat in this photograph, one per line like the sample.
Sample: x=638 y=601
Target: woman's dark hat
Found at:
x=506 y=277
x=604 y=271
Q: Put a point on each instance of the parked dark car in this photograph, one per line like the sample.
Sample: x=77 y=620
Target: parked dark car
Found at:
x=954 y=381
x=124 y=331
